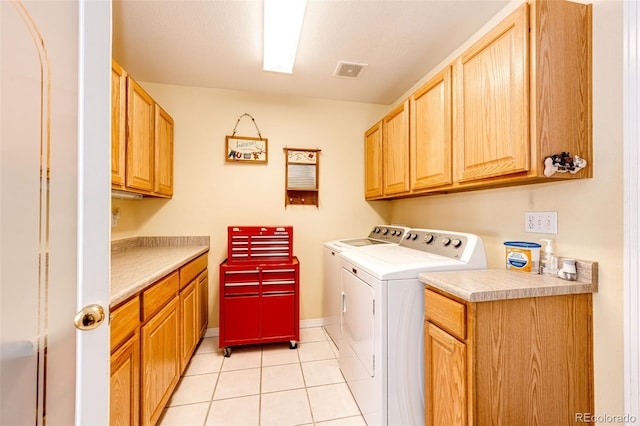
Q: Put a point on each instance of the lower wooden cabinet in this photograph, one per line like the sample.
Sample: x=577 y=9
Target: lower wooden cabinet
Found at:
x=125 y=383
x=153 y=336
x=160 y=361
x=203 y=301
x=519 y=361
x=189 y=327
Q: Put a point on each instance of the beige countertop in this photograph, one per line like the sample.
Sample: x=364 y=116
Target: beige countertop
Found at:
x=138 y=262
x=499 y=284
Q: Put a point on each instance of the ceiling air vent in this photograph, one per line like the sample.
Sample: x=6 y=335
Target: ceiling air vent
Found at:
x=348 y=69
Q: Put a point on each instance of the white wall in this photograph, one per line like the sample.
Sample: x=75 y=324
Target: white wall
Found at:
x=211 y=194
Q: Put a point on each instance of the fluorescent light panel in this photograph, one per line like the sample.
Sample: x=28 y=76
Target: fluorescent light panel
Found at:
x=282 y=26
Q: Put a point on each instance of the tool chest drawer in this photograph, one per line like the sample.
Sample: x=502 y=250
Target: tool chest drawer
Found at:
x=259 y=244
x=259 y=303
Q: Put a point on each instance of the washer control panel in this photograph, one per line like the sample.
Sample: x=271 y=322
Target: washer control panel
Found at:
x=450 y=244
x=388 y=233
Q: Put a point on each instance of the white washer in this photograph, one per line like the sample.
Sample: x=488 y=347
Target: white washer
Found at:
x=382 y=318
x=331 y=305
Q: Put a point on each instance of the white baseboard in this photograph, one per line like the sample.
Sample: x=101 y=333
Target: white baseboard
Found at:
x=317 y=322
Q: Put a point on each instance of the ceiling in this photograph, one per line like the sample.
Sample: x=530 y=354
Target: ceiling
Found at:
x=218 y=44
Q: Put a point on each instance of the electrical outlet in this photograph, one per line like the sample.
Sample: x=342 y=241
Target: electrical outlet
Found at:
x=541 y=222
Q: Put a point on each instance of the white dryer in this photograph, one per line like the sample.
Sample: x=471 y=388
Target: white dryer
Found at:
x=380 y=234
x=382 y=318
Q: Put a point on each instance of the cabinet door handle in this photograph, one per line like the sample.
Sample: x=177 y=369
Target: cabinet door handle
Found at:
x=344 y=303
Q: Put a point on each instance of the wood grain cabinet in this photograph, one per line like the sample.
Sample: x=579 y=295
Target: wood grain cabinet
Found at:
x=118 y=124
x=431 y=134
x=153 y=337
x=141 y=141
x=125 y=364
x=140 y=137
x=519 y=361
x=520 y=94
x=523 y=93
x=395 y=151
x=193 y=279
x=160 y=338
x=163 y=160
x=373 y=162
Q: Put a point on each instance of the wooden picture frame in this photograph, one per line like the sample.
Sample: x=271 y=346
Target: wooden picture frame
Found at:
x=244 y=149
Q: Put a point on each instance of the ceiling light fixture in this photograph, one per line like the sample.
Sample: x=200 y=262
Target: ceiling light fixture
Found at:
x=282 y=26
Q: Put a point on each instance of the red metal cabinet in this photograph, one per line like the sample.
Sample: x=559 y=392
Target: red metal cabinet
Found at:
x=259 y=303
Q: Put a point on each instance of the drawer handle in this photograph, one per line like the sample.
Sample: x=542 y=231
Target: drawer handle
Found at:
x=278 y=282
x=354 y=270
x=245 y=284
x=278 y=270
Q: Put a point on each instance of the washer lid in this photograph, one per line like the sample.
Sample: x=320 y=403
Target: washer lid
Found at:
x=392 y=262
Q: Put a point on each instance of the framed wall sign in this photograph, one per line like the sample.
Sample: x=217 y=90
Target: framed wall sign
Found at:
x=301 y=176
x=244 y=149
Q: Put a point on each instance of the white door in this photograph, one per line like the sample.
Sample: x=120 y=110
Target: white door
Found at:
x=54 y=214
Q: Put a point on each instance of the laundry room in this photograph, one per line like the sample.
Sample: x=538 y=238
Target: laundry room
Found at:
x=211 y=194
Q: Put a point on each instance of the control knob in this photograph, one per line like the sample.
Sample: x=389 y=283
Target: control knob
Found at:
x=428 y=238
x=456 y=243
x=446 y=241
x=385 y=231
x=414 y=237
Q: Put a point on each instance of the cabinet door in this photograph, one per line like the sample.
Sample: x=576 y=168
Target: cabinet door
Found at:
x=373 y=162
x=241 y=319
x=430 y=135
x=445 y=378
x=160 y=361
x=278 y=316
x=395 y=147
x=118 y=124
x=492 y=102
x=203 y=302
x=140 y=137
x=189 y=319
x=163 y=182
x=124 y=400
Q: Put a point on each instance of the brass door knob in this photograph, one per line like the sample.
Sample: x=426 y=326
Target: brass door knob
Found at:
x=90 y=317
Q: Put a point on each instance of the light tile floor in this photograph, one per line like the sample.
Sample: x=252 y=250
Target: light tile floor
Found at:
x=264 y=385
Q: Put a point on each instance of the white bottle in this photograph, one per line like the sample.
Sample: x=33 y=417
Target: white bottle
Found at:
x=548 y=261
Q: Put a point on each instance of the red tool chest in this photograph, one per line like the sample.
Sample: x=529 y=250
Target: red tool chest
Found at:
x=259 y=288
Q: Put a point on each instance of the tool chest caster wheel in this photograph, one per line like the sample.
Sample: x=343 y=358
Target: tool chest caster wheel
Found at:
x=226 y=351
x=293 y=344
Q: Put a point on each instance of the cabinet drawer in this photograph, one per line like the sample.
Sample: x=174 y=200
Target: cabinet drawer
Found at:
x=192 y=269
x=277 y=281
x=161 y=293
x=241 y=289
x=445 y=313
x=125 y=319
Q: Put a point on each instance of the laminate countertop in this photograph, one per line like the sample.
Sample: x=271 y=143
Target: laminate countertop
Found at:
x=138 y=262
x=499 y=284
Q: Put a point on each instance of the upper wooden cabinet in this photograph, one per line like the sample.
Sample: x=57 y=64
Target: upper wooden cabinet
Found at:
x=431 y=133
x=163 y=180
x=141 y=140
x=395 y=150
x=373 y=162
x=492 y=81
x=522 y=93
x=118 y=123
